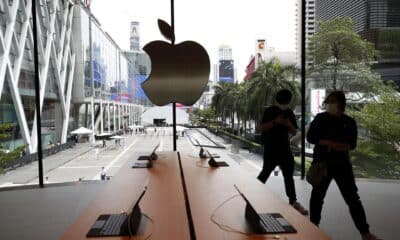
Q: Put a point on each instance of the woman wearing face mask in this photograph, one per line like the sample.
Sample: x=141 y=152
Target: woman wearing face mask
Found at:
x=334 y=134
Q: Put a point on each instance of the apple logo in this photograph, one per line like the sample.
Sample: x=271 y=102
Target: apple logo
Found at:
x=179 y=73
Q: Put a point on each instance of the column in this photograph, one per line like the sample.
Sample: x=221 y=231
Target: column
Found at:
x=119 y=117
x=108 y=117
x=115 y=121
x=101 y=117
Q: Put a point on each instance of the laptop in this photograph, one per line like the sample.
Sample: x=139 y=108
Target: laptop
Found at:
x=121 y=224
x=213 y=163
x=202 y=151
x=265 y=222
x=152 y=156
x=148 y=159
x=142 y=164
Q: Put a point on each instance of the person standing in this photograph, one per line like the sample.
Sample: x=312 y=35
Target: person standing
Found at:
x=277 y=123
x=103 y=175
x=334 y=134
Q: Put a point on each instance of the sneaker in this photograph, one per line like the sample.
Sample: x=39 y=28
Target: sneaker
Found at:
x=300 y=208
x=370 y=236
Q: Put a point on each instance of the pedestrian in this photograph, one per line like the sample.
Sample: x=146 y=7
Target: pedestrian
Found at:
x=104 y=143
x=103 y=174
x=277 y=123
x=334 y=134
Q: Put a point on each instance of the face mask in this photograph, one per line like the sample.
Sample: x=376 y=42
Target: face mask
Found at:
x=283 y=106
x=332 y=108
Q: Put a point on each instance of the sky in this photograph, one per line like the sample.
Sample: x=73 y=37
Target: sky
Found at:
x=209 y=22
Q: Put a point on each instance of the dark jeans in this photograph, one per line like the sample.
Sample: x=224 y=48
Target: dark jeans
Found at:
x=286 y=164
x=341 y=171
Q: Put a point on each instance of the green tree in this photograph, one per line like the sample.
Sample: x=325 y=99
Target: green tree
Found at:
x=378 y=152
x=222 y=101
x=206 y=115
x=245 y=101
x=381 y=118
x=340 y=54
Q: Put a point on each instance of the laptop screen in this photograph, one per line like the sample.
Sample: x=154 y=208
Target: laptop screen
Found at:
x=135 y=203
x=251 y=208
x=154 y=151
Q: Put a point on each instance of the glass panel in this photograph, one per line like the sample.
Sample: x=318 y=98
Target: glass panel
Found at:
x=18 y=158
x=366 y=67
x=106 y=95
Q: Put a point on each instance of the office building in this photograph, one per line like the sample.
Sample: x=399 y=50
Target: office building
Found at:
x=206 y=98
x=68 y=78
x=215 y=75
x=17 y=73
x=377 y=21
x=310 y=27
x=224 y=53
x=134 y=36
x=267 y=53
x=285 y=57
x=106 y=80
x=139 y=68
x=226 y=70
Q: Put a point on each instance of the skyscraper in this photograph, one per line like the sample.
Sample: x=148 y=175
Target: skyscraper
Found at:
x=378 y=21
x=225 y=64
x=134 y=36
x=140 y=67
x=224 y=52
x=310 y=23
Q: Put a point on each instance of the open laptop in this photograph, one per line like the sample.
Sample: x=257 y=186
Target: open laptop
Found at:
x=202 y=153
x=148 y=159
x=213 y=163
x=121 y=224
x=152 y=156
x=265 y=222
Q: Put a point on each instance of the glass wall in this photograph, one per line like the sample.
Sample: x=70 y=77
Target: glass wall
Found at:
x=231 y=109
x=366 y=67
x=110 y=68
x=17 y=102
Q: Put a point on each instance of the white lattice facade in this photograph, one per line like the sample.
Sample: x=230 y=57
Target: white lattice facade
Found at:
x=56 y=64
x=64 y=74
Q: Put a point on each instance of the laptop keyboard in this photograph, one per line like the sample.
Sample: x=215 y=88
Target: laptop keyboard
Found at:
x=113 y=224
x=271 y=224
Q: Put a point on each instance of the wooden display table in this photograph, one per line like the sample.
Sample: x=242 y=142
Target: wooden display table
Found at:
x=209 y=188
x=163 y=202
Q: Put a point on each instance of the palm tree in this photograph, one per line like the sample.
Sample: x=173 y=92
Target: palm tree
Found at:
x=240 y=102
x=265 y=82
x=222 y=101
